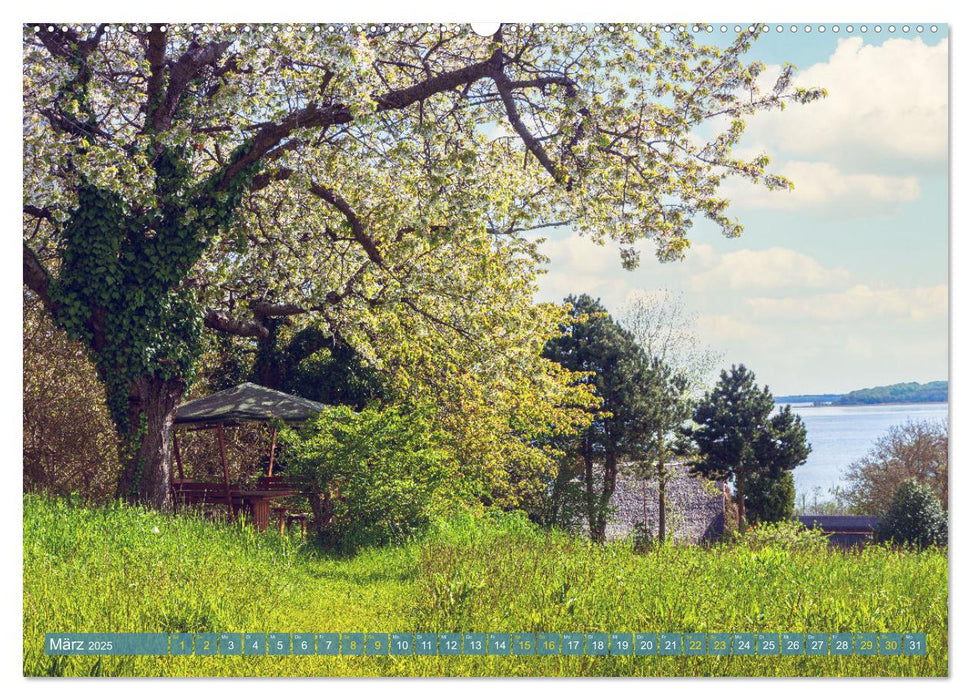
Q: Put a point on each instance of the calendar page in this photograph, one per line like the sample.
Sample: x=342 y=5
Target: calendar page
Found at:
x=485 y=350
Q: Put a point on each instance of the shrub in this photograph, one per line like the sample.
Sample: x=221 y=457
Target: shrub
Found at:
x=378 y=475
x=564 y=503
x=787 y=534
x=770 y=498
x=914 y=517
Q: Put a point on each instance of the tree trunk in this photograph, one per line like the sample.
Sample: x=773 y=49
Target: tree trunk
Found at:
x=322 y=507
x=740 y=500
x=268 y=365
x=598 y=532
x=644 y=502
x=145 y=450
x=662 y=487
x=589 y=489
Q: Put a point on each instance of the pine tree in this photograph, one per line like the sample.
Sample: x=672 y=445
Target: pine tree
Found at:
x=621 y=375
x=738 y=438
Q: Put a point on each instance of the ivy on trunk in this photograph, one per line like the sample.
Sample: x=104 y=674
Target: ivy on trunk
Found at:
x=118 y=291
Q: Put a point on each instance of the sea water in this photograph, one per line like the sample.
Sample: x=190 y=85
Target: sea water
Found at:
x=840 y=435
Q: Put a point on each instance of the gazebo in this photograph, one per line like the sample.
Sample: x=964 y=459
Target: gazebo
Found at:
x=246 y=403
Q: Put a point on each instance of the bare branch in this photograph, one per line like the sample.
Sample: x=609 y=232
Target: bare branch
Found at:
x=511 y=230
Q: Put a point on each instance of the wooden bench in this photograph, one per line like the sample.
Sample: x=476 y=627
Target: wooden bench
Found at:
x=286 y=518
x=286 y=486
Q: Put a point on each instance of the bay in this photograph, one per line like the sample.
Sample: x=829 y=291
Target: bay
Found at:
x=840 y=435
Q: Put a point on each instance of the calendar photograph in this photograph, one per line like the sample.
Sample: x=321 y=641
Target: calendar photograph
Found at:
x=416 y=349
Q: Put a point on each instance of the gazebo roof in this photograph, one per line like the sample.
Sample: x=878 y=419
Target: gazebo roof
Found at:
x=246 y=403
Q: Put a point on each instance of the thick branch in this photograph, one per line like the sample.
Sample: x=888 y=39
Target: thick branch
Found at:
x=314 y=115
x=64 y=124
x=399 y=99
x=357 y=227
x=37 y=279
x=39 y=212
x=542 y=83
x=69 y=45
x=255 y=327
x=264 y=179
x=221 y=321
x=181 y=73
x=269 y=135
x=263 y=309
x=505 y=88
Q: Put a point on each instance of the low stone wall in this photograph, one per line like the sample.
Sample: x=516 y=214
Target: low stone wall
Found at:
x=695 y=506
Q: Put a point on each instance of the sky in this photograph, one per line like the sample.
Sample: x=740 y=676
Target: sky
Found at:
x=842 y=283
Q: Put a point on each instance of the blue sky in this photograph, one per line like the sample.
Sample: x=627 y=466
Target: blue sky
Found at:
x=842 y=283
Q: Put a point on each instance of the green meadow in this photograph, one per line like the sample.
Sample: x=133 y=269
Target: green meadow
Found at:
x=127 y=569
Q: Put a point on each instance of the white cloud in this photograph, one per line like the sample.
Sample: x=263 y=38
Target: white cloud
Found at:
x=581 y=265
x=578 y=264
x=581 y=253
x=774 y=268
x=825 y=191
x=728 y=327
x=885 y=103
x=800 y=325
x=858 y=303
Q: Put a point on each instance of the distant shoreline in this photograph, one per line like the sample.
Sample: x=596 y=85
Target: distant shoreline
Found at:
x=784 y=400
x=901 y=393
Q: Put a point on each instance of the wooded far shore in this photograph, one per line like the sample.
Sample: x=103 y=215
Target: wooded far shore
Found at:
x=904 y=392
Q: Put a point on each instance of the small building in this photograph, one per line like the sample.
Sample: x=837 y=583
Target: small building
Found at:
x=843 y=530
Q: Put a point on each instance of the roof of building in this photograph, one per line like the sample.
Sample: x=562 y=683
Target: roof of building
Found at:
x=247 y=403
x=840 y=523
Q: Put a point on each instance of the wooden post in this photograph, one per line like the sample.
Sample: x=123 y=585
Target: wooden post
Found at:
x=261 y=512
x=222 y=455
x=178 y=453
x=269 y=472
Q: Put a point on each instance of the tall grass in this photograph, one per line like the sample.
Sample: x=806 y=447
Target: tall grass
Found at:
x=124 y=569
